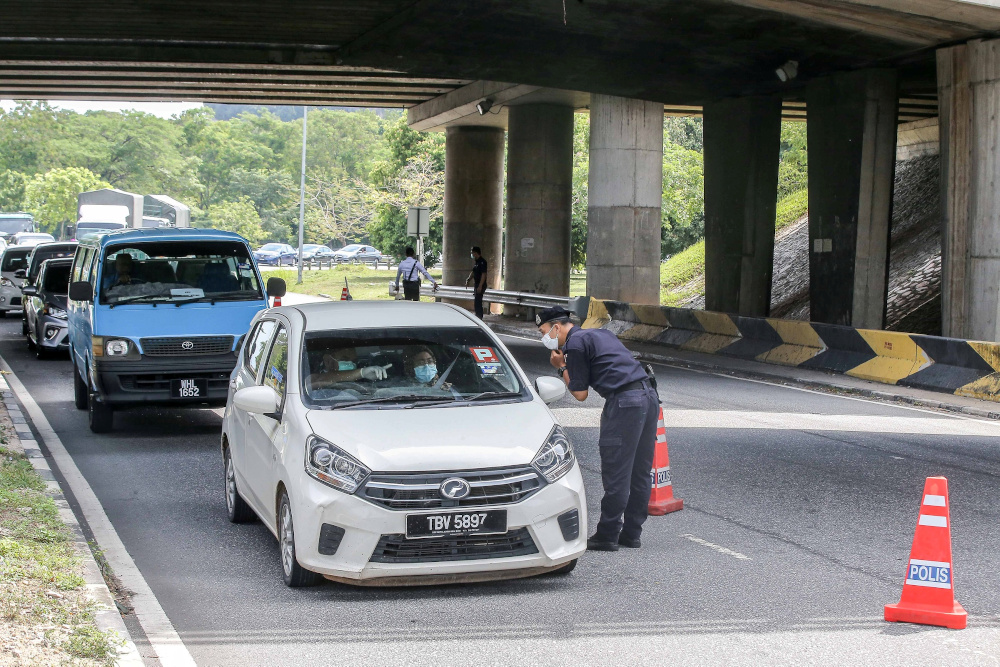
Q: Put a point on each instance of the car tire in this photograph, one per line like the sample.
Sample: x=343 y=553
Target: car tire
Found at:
x=24 y=326
x=80 y=390
x=3 y=314
x=237 y=509
x=27 y=337
x=565 y=569
x=294 y=575
x=40 y=352
x=101 y=416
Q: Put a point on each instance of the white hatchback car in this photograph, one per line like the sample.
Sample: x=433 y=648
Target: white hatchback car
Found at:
x=398 y=443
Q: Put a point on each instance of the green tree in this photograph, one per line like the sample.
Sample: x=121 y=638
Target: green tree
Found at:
x=683 y=211
x=51 y=197
x=12 y=184
x=581 y=175
x=236 y=216
x=793 y=167
x=29 y=135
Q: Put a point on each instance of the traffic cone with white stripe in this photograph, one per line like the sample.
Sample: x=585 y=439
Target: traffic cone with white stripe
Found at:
x=661 y=500
x=277 y=302
x=929 y=589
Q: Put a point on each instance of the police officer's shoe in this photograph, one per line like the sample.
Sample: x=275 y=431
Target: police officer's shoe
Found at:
x=629 y=542
x=596 y=544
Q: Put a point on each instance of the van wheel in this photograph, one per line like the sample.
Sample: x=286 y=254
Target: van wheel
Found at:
x=101 y=415
x=295 y=575
x=80 y=390
x=236 y=508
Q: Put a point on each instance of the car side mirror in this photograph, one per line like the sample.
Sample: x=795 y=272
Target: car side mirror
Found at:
x=276 y=287
x=259 y=400
x=81 y=290
x=29 y=290
x=550 y=389
x=20 y=273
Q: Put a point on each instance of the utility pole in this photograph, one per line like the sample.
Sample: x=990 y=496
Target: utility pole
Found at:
x=302 y=195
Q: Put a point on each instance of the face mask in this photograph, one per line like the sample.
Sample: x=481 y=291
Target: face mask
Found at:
x=549 y=342
x=425 y=373
x=346 y=365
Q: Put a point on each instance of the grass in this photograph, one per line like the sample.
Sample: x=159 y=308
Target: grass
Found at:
x=367 y=283
x=47 y=614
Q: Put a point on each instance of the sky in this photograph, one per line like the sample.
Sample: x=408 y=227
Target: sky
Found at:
x=161 y=109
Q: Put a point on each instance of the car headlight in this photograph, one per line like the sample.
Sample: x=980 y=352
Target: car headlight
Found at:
x=556 y=457
x=55 y=312
x=333 y=466
x=116 y=347
x=6 y=282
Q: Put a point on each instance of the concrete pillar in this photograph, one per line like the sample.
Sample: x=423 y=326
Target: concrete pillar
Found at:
x=473 y=202
x=852 y=159
x=625 y=198
x=539 y=199
x=742 y=142
x=969 y=103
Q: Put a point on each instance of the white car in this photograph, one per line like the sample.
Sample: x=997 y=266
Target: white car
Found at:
x=398 y=443
x=32 y=238
x=13 y=258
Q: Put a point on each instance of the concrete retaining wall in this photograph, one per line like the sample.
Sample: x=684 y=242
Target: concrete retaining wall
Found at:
x=961 y=367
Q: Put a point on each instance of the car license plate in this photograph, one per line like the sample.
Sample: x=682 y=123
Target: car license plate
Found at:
x=456 y=523
x=193 y=388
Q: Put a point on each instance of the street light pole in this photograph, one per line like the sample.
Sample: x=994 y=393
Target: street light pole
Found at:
x=302 y=195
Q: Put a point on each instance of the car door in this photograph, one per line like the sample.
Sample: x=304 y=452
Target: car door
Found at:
x=265 y=434
x=245 y=375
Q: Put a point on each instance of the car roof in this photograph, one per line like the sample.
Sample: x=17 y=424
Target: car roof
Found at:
x=55 y=245
x=161 y=234
x=344 y=315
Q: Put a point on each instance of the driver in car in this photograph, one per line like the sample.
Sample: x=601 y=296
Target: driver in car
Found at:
x=341 y=365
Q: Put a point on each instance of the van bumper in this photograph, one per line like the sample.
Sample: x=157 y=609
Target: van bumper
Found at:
x=147 y=380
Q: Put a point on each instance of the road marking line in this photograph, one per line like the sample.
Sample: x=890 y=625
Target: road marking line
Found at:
x=160 y=632
x=715 y=547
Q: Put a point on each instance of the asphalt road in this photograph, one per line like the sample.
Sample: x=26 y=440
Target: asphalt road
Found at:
x=800 y=509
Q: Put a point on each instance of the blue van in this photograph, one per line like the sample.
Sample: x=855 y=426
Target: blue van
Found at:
x=158 y=315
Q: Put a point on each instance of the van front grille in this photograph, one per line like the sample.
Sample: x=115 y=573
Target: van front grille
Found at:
x=179 y=346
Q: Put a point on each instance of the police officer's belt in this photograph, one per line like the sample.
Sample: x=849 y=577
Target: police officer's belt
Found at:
x=632 y=386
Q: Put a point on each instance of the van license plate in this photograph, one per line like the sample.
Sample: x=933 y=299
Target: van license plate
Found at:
x=193 y=388
x=489 y=522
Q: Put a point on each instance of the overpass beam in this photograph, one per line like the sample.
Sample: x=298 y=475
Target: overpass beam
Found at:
x=852 y=158
x=473 y=201
x=625 y=199
x=742 y=142
x=539 y=199
x=968 y=98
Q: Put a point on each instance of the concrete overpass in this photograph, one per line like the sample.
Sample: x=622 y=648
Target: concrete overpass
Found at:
x=857 y=66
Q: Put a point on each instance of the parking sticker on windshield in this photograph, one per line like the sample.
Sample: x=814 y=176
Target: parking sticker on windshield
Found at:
x=491 y=369
x=484 y=354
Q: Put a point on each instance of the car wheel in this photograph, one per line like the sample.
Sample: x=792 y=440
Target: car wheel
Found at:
x=3 y=313
x=24 y=326
x=101 y=416
x=40 y=352
x=566 y=569
x=80 y=390
x=295 y=575
x=27 y=337
x=236 y=508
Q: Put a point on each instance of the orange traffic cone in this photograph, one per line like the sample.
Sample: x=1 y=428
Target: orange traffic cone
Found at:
x=344 y=294
x=277 y=302
x=929 y=589
x=661 y=500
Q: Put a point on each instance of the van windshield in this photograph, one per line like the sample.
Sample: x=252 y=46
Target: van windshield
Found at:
x=405 y=365
x=178 y=271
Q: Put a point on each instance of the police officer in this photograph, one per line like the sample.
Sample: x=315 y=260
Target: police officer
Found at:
x=478 y=278
x=596 y=358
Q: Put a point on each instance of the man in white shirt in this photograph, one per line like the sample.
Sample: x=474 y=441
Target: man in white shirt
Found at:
x=410 y=269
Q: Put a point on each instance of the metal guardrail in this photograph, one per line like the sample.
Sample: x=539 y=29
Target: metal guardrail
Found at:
x=577 y=305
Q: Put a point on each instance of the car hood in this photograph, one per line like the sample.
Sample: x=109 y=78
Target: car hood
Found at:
x=432 y=438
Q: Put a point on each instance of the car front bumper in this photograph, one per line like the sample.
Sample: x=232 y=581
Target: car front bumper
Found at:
x=10 y=299
x=147 y=380
x=365 y=524
x=52 y=333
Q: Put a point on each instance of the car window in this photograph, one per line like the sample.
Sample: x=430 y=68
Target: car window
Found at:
x=257 y=346
x=276 y=373
x=56 y=278
x=14 y=259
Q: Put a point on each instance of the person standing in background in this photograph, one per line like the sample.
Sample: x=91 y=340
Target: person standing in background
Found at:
x=478 y=279
x=410 y=269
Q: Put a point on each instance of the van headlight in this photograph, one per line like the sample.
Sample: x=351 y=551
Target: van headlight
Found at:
x=116 y=347
x=556 y=457
x=333 y=466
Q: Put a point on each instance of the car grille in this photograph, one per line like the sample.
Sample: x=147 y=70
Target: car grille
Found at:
x=174 y=347
x=410 y=491
x=161 y=381
x=398 y=549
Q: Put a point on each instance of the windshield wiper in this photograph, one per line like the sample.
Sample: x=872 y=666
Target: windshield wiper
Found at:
x=493 y=394
x=389 y=399
x=136 y=297
x=243 y=295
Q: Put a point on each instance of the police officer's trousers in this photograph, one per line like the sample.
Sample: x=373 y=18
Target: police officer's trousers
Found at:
x=627 y=443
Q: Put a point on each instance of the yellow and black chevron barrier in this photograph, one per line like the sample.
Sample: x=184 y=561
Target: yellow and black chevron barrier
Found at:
x=961 y=367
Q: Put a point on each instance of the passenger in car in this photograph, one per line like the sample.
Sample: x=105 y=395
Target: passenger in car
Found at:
x=420 y=366
x=341 y=365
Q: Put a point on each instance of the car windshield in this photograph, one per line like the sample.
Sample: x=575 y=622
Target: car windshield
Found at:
x=42 y=253
x=57 y=278
x=14 y=224
x=14 y=259
x=272 y=247
x=350 y=248
x=178 y=271
x=405 y=367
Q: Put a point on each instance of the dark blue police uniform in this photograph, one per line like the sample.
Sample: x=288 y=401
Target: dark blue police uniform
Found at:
x=479 y=269
x=596 y=358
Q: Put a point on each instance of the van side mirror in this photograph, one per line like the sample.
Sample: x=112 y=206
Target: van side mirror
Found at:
x=20 y=273
x=276 y=287
x=81 y=290
x=29 y=290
